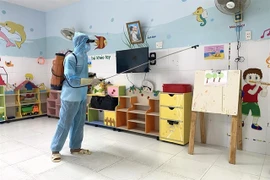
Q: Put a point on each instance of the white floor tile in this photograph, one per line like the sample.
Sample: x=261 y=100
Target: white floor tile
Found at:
x=121 y=149
x=12 y=173
x=140 y=141
x=185 y=167
x=25 y=155
x=65 y=171
x=20 y=155
x=38 y=165
x=156 y=175
x=10 y=146
x=4 y=139
x=126 y=170
x=150 y=158
x=96 y=161
x=95 y=176
x=202 y=154
x=263 y=178
x=3 y=164
x=166 y=147
x=246 y=162
x=227 y=174
x=266 y=168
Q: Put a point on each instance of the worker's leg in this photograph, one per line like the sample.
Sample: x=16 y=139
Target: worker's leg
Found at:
x=76 y=131
x=68 y=111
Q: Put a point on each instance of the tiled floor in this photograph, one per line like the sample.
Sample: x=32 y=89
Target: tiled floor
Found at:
x=25 y=155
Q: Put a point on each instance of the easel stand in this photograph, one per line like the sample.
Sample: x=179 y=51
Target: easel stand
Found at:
x=236 y=134
x=200 y=106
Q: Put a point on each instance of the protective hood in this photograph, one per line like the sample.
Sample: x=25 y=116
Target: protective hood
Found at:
x=79 y=42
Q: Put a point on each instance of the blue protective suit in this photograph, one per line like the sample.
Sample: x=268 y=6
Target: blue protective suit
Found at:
x=73 y=100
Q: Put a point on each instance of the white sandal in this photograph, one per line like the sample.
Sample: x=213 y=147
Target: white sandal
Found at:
x=81 y=151
x=56 y=157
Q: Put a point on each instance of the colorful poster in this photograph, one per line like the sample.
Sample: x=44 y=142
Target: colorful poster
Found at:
x=214 y=52
x=215 y=78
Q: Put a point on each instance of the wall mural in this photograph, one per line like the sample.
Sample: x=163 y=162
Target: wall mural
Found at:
x=264 y=33
x=254 y=88
x=201 y=15
x=13 y=28
x=268 y=61
x=100 y=42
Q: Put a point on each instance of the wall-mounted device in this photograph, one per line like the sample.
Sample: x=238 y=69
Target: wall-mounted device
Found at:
x=153 y=58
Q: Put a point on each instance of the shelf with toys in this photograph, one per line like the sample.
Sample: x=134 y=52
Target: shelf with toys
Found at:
x=135 y=110
x=26 y=100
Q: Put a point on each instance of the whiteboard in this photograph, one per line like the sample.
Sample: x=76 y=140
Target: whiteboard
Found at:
x=219 y=99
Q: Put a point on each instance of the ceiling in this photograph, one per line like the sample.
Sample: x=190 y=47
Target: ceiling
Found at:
x=42 y=5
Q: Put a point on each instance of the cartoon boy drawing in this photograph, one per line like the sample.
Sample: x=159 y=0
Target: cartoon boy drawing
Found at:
x=251 y=90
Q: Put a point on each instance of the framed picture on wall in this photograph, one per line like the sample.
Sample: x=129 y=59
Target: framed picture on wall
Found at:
x=135 y=32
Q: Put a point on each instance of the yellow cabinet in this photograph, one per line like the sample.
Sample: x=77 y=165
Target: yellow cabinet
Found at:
x=174 y=100
x=171 y=113
x=109 y=118
x=172 y=131
x=175 y=114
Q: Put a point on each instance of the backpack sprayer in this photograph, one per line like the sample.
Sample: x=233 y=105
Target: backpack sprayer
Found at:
x=57 y=80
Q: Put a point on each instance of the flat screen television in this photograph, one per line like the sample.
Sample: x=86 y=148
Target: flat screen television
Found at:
x=127 y=59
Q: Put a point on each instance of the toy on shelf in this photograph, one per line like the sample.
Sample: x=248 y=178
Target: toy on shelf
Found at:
x=42 y=87
x=100 y=89
x=30 y=110
x=10 y=88
x=27 y=93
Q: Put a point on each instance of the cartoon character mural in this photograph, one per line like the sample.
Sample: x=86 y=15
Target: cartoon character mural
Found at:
x=13 y=28
x=201 y=15
x=3 y=36
x=101 y=42
x=251 y=91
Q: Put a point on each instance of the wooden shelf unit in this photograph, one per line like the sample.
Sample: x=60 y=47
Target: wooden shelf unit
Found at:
x=133 y=113
x=17 y=105
x=53 y=103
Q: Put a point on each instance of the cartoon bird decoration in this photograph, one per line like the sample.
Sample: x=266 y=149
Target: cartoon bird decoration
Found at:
x=9 y=64
x=101 y=42
x=201 y=15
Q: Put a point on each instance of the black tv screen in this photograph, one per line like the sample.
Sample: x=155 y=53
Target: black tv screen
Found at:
x=127 y=59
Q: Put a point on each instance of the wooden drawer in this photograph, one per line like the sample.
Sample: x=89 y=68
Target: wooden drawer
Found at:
x=172 y=113
x=174 y=100
x=110 y=118
x=172 y=131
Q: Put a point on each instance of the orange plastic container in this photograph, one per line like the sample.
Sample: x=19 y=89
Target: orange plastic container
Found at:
x=57 y=71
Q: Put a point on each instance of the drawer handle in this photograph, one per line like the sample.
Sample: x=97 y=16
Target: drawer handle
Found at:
x=171 y=95
x=172 y=122
x=171 y=108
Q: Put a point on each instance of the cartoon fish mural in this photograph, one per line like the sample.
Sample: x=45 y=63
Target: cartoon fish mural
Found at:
x=101 y=42
x=3 y=36
x=15 y=28
x=201 y=14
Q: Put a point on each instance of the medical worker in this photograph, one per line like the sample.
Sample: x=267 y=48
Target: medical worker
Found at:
x=73 y=99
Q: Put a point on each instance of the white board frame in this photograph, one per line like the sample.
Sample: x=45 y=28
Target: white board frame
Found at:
x=218 y=99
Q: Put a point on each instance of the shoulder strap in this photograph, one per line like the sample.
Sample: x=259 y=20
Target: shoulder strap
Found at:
x=75 y=57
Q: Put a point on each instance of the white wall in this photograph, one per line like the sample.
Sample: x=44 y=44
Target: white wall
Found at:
x=22 y=66
x=180 y=68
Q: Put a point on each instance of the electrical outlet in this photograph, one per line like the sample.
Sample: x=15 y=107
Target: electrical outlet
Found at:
x=159 y=45
x=248 y=35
